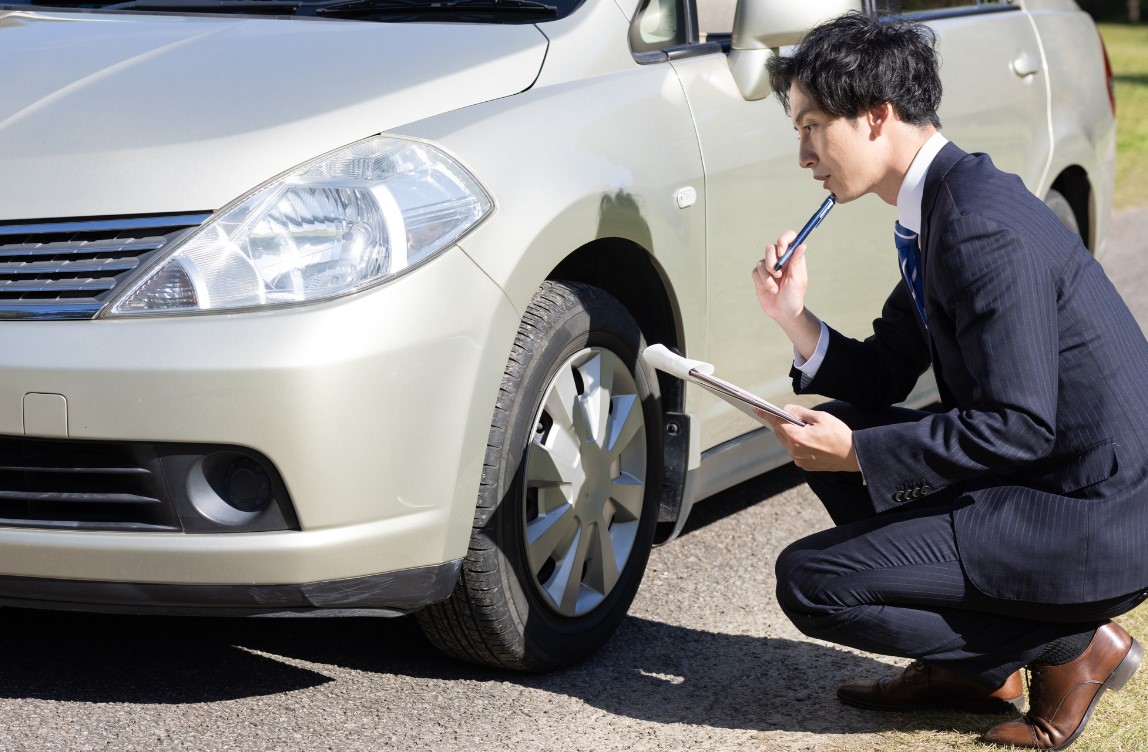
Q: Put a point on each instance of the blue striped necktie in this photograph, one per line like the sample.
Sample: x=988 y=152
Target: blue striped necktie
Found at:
x=910 y=257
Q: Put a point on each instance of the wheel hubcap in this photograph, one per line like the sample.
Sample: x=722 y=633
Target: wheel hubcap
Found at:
x=585 y=481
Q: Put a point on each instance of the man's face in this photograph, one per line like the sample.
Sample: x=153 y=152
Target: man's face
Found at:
x=838 y=150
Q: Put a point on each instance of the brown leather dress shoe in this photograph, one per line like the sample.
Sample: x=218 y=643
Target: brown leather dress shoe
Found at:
x=928 y=686
x=1061 y=698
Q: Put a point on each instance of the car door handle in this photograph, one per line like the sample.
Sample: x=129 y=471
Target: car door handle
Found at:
x=1025 y=65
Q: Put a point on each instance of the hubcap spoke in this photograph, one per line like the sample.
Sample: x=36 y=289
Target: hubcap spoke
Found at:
x=598 y=379
x=628 y=493
x=625 y=422
x=604 y=569
x=561 y=399
x=547 y=533
x=566 y=584
x=548 y=466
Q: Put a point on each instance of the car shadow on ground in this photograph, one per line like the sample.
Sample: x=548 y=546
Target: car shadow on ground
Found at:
x=649 y=670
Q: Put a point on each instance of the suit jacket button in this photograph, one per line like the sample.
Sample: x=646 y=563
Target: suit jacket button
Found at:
x=926 y=491
x=916 y=493
x=899 y=496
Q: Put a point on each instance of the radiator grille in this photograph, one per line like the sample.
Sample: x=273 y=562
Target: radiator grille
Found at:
x=69 y=269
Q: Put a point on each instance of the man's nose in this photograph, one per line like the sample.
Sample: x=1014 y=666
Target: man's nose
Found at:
x=806 y=157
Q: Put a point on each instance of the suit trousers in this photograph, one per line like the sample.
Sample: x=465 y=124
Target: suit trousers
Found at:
x=893 y=583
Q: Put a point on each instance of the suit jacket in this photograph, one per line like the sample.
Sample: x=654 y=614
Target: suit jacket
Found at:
x=1043 y=375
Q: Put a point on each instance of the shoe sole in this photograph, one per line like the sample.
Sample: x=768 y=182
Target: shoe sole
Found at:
x=1115 y=681
x=979 y=707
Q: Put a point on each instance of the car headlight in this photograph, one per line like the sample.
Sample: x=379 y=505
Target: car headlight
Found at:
x=345 y=221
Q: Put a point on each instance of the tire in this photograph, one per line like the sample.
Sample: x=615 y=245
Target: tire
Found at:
x=1060 y=206
x=571 y=482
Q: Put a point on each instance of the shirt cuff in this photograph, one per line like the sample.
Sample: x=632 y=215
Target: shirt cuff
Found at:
x=809 y=367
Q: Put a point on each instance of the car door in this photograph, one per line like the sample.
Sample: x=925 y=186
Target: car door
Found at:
x=753 y=191
x=996 y=97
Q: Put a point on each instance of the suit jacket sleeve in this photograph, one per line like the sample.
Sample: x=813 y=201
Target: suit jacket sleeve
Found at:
x=999 y=302
x=879 y=371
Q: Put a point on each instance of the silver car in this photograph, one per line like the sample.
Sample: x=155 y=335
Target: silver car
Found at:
x=318 y=306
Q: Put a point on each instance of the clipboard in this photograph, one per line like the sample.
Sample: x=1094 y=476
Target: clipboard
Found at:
x=701 y=373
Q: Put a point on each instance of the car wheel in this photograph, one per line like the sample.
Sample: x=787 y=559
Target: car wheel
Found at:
x=570 y=490
x=1056 y=201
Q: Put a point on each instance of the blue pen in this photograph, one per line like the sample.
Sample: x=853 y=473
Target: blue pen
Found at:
x=801 y=236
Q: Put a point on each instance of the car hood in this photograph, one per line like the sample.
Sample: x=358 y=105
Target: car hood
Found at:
x=109 y=114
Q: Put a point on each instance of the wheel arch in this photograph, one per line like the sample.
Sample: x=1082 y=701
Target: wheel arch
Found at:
x=628 y=272
x=1074 y=185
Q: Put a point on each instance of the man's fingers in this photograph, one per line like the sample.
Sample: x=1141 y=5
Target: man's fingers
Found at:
x=772 y=254
x=763 y=278
x=776 y=250
x=809 y=416
x=768 y=418
x=798 y=255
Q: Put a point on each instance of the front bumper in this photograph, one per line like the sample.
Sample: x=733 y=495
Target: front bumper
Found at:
x=392 y=594
x=374 y=410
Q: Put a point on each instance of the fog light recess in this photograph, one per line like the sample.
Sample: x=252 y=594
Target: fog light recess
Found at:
x=230 y=488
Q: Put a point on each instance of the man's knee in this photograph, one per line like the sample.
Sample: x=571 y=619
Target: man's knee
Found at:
x=796 y=571
x=808 y=576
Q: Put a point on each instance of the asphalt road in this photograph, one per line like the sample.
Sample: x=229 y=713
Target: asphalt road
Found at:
x=705 y=661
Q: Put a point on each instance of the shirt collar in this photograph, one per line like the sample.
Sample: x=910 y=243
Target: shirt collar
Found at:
x=913 y=186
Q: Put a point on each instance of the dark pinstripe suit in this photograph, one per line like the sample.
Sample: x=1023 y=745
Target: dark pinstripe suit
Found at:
x=1026 y=499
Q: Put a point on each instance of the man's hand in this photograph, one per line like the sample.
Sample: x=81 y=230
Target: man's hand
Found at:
x=781 y=294
x=823 y=444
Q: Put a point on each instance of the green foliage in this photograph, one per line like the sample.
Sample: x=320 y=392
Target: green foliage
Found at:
x=1128 y=53
x=1110 y=10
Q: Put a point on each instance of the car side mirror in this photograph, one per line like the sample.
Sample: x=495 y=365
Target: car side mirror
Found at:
x=760 y=27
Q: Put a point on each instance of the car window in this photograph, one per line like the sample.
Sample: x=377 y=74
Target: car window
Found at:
x=715 y=16
x=659 y=24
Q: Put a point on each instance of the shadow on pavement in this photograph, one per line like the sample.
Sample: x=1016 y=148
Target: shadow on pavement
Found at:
x=74 y=657
x=649 y=671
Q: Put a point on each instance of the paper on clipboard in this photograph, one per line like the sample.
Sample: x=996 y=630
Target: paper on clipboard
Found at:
x=701 y=373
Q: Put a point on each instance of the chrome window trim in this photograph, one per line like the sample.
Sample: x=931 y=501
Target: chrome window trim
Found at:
x=974 y=10
x=974 y=7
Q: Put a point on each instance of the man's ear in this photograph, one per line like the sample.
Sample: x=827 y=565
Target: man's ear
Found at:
x=877 y=117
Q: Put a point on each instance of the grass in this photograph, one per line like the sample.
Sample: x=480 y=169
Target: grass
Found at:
x=1119 y=723
x=1128 y=53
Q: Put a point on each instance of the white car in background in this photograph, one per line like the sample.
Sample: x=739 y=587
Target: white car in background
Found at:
x=314 y=306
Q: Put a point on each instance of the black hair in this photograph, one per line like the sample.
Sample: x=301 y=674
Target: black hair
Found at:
x=857 y=61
